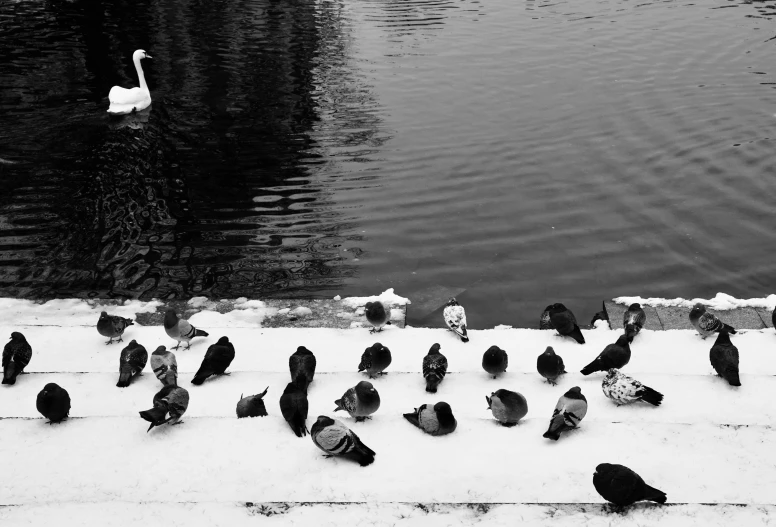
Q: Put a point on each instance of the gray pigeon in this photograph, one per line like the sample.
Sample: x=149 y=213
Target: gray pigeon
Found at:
x=16 y=356
x=376 y=315
x=570 y=410
x=434 y=368
x=112 y=326
x=302 y=366
x=495 y=361
x=131 y=362
x=360 y=402
x=724 y=359
x=707 y=323
x=620 y=485
x=507 y=407
x=374 y=360
x=550 y=366
x=633 y=320
x=172 y=400
x=53 y=403
x=336 y=439
x=180 y=330
x=436 y=420
x=165 y=366
x=252 y=406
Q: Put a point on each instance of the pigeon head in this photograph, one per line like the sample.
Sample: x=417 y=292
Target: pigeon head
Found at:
x=697 y=310
x=16 y=336
x=364 y=387
x=132 y=344
x=622 y=340
x=558 y=307
x=104 y=314
x=574 y=393
x=549 y=351
x=223 y=341
x=635 y=306
x=170 y=318
x=304 y=351
x=452 y=302
x=444 y=413
x=603 y=469
x=434 y=349
x=161 y=350
x=324 y=421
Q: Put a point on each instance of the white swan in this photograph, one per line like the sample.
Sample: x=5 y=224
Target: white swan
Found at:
x=124 y=101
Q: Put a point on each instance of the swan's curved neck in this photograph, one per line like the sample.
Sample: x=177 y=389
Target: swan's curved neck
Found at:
x=140 y=76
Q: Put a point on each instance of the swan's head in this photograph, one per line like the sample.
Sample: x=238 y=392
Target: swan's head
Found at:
x=140 y=54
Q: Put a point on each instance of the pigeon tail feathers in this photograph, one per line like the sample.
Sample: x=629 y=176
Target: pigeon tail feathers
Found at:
x=651 y=396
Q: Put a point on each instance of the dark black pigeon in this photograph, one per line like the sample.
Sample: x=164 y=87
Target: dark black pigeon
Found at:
x=374 y=360
x=16 y=356
x=550 y=366
x=620 y=485
x=53 y=403
x=252 y=406
x=495 y=361
x=633 y=320
x=724 y=359
x=376 y=315
x=601 y=315
x=217 y=359
x=614 y=355
x=302 y=366
x=565 y=323
x=434 y=368
x=131 y=362
x=293 y=406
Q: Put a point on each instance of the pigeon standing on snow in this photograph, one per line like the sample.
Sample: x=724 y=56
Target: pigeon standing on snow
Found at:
x=252 y=406
x=550 y=366
x=53 y=403
x=293 y=406
x=360 y=402
x=455 y=318
x=131 y=362
x=16 y=356
x=633 y=320
x=620 y=485
x=434 y=368
x=507 y=407
x=217 y=359
x=623 y=389
x=376 y=315
x=495 y=361
x=571 y=408
x=172 y=400
x=164 y=366
x=374 y=360
x=724 y=359
x=564 y=322
x=112 y=326
x=614 y=355
x=336 y=439
x=180 y=330
x=707 y=323
x=436 y=420
x=544 y=319
x=302 y=366
x=601 y=315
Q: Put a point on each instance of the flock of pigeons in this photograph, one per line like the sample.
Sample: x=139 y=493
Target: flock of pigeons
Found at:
x=615 y=483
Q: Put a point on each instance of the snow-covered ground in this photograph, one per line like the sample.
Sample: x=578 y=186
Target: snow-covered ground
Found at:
x=708 y=446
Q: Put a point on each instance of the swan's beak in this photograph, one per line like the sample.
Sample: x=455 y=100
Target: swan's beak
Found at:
x=148 y=56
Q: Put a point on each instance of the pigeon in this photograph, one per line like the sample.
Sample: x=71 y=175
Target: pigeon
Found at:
x=180 y=330
x=302 y=365
x=360 y=401
x=707 y=323
x=165 y=366
x=614 y=355
x=434 y=368
x=571 y=408
x=773 y=317
x=53 y=403
x=336 y=439
x=16 y=356
x=623 y=389
x=374 y=360
x=507 y=407
x=112 y=326
x=601 y=315
x=436 y=420
x=562 y=319
x=724 y=359
x=172 y=400
x=550 y=366
x=620 y=485
x=217 y=359
x=455 y=318
x=544 y=319
x=252 y=406
x=376 y=315
x=495 y=361
x=293 y=406
x=132 y=361
x=633 y=320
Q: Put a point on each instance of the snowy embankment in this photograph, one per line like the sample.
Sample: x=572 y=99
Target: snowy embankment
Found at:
x=708 y=443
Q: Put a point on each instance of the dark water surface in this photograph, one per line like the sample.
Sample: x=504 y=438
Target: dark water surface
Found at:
x=523 y=151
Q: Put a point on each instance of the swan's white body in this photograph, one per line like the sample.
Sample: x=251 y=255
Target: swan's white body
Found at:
x=122 y=100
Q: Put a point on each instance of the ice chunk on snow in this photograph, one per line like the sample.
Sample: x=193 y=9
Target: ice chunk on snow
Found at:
x=301 y=311
x=721 y=302
x=387 y=297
